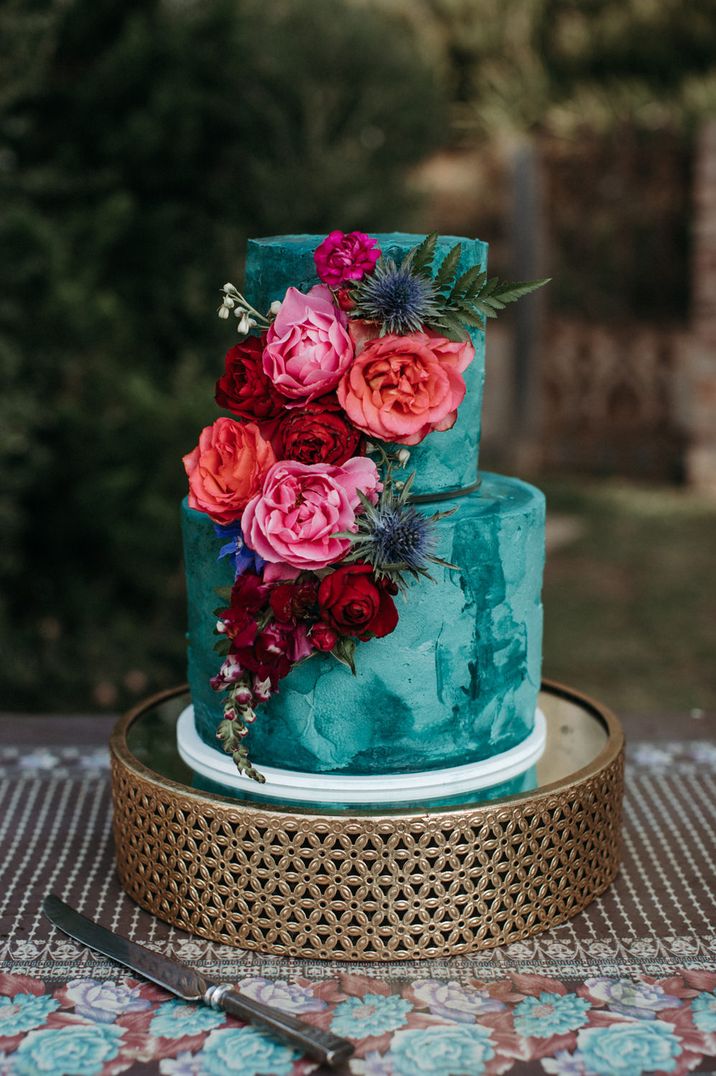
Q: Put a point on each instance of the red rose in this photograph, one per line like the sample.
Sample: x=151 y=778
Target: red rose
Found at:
x=353 y=602
x=293 y=601
x=323 y=637
x=244 y=389
x=319 y=432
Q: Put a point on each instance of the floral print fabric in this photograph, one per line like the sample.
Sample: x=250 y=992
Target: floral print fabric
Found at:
x=462 y=1027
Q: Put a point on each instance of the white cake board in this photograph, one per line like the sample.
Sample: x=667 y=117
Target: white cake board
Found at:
x=389 y=788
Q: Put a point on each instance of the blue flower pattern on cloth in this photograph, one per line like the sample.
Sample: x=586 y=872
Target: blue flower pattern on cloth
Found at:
x=550 y=1014
x=629 y=1049
x=644 y=1001
x=173 y=1019
x=703 y=1010
x=81 y=1050
x=373 y=1014
x=441 y=1051
x=246 y=1051
x=24 y=1012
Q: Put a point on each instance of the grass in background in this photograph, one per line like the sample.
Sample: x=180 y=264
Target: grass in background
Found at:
x=630 y=604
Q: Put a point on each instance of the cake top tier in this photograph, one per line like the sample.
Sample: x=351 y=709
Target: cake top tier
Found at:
x=445 y=461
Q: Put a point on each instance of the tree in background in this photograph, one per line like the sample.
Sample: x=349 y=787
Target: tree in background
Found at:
x=139 y=147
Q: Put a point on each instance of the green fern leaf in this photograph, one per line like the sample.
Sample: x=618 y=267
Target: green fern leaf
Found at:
x=448 y=267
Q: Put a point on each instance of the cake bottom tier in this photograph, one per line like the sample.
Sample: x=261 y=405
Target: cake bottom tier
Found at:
x=457 y=680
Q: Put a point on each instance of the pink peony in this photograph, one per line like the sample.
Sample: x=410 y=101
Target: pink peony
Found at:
x=292 y=523
x=227 y=468
x=401 y=388
x=308 y=348
x=345 y=256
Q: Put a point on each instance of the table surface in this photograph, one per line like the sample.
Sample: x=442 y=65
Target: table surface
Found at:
x=628 y=986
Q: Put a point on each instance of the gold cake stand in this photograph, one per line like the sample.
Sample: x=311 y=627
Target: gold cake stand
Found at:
x=400 y=884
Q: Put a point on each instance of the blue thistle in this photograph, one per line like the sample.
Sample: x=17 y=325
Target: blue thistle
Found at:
x=401 y=538
x=393 y=537
x=396 y=297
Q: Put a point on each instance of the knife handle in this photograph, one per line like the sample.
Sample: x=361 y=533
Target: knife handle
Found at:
x=323 y=1045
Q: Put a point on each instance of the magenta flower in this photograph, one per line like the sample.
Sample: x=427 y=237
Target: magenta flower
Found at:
x=344 y=256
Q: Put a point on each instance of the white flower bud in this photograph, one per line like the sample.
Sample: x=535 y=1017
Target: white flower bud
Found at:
x=220 y=627
x=400 y=485
x=239 y=312
x=403 y=457
x=370 y=447
x=223 y=313
x=228 y=287
x=244 y=325
x=275 y=306
x=229 y=302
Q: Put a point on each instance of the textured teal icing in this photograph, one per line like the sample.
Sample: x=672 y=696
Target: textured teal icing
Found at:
x=444 y=461
x=524 y=782
x=457 y=680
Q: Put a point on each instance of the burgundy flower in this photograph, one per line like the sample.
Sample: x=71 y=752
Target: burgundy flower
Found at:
x=274 y=652
x=354 y=602
x=294 y=601
x=319 y=432
x=244 y=388
x=323 y=637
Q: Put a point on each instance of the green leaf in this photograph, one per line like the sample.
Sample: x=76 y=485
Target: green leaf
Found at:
x=452 y=325
x=421 y=257
x=344 y=651
x=470 y=282
x=448 y=267
x=223 y=646
x=476 y=320
x=509 y=292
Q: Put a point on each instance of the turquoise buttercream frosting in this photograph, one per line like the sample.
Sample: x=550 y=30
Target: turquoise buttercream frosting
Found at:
x=443 y=461
x=457 y=680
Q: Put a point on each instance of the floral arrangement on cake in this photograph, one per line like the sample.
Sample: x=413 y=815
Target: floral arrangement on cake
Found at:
x=328 y=390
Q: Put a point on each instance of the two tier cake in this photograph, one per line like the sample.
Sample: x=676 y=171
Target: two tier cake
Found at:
x=365 y=620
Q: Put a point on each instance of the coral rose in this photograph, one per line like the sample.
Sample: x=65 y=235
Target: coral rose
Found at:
x=317 y=433
x=345 y=256
x=244 y=389
x=293 y=522
x=401 y=388
x=308 y=348
x=227 y=468
x=353 y=602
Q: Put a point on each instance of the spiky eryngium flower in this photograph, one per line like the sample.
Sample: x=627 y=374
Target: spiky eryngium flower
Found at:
x=394 y=537
x=395 y=296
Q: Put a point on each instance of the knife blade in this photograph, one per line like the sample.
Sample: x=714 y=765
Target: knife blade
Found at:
x=188 y=984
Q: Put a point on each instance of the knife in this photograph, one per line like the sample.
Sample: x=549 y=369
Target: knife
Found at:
x=189 y=985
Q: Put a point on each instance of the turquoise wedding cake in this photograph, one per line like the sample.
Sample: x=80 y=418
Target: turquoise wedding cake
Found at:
x=452 y=689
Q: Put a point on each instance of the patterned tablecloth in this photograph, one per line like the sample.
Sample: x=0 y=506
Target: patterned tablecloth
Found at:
x=629 y=986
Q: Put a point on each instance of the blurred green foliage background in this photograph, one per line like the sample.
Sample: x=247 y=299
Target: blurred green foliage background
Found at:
x=140 y=144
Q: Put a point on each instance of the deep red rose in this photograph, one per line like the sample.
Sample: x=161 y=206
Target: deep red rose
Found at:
x=323 y=637
x=353 y=602
x=244 y=388
x=293 y=601
x=319 y=432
